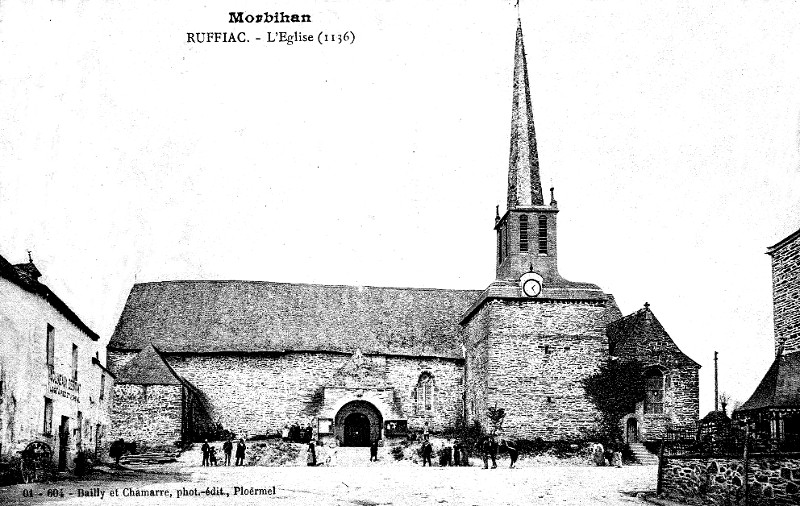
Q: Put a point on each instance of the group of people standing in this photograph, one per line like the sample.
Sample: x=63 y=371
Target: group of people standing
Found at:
x=297 y=434
x=457 y=454
x=210 y=453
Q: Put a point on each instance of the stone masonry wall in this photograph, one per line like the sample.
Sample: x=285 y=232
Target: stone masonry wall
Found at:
x=786 y=294
x=773 y=479
x=260 y=394
x=476 y=341
x=538 y=354
x=653 y=347
x=149 y=415
x=404 y=374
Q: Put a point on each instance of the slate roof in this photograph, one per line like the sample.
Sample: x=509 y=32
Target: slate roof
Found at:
x=780 y=387
x=148 y=368
x=256 y=316
x=783 y=242
x=718 y=416
x=630 y=334
x=613 y=312
x=26 y=276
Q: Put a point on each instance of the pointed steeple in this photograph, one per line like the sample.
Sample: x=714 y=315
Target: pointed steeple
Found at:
x=524 y=183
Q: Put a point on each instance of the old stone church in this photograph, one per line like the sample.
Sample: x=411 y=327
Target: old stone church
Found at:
x=359 y=363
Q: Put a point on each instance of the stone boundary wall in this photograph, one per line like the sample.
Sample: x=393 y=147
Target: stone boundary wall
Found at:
x=773 y=478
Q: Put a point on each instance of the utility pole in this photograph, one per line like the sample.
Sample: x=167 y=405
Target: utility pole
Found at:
x=745 y=463
x=716 y=384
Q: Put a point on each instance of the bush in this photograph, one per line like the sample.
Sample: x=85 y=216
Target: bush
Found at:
x=614 y=390
x=9 y=470
x=397 y=453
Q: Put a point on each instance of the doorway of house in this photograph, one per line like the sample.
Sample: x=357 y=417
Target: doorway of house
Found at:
x=632 y=431
x=63 y=443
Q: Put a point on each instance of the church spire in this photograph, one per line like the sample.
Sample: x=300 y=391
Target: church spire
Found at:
x=524 y=184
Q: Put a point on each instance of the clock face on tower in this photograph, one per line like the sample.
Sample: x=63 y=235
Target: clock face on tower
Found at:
x=531 y=287
x=531 y=284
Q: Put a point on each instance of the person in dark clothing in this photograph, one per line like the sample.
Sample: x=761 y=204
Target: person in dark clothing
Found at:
x=307 y=434
x=212 y=456
x=311 y=458
x=205 y=449
x=116 y=450
x=427 y=450
x=240 y=447
x=373 y=451
x=447 y=455
x=457 y=453
x=513 y=453
x=227 y=448
x=489 y=450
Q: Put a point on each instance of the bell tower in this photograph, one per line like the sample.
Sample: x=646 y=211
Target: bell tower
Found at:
x=526 y=233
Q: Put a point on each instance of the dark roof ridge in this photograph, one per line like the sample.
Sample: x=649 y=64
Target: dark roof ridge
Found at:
x=21 y=276
x=783 y=242
x=286 y=283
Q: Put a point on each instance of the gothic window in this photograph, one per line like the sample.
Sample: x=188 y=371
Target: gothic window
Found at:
x=523 y=233
x=543 y=234
x=425 y=394
x=654 y=392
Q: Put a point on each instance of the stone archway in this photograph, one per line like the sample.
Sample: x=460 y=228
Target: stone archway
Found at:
x=358 y=423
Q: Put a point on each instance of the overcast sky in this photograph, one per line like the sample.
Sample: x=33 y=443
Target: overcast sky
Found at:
x=671 y=132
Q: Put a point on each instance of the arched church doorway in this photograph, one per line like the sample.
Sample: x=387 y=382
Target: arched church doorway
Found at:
x=358 y=423
x=356 y=430
x=632 y=431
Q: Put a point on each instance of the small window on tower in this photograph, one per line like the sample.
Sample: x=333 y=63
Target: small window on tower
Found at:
x=543 y=234
x=499 y=246
x=523 y=233
x=505 y=241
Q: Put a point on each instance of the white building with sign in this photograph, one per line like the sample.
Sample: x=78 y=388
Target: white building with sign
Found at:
x=54 y=386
